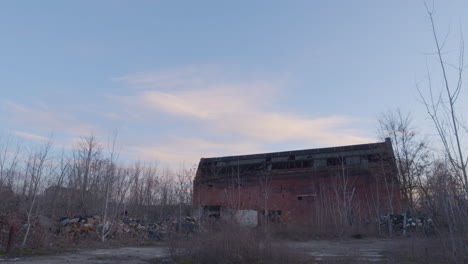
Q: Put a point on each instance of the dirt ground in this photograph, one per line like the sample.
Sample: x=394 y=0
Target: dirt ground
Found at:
x=367 y=250
x=359 y=250
x=142 y=255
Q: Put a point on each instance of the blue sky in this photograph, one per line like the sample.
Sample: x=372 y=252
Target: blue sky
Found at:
x=181 y=80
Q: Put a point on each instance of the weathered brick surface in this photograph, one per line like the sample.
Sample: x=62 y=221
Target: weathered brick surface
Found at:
x=362 y=184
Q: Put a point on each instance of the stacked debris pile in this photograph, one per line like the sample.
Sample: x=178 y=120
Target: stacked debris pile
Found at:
x=80 y=226
x=410 y=221
x=14 y=226
x=4 y=229
x=187 y=225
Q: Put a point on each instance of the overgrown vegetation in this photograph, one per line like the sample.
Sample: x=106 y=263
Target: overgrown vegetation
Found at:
x=40 y=185
x=232 y=244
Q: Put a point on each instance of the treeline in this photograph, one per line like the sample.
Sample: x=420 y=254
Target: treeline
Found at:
x=89 y=179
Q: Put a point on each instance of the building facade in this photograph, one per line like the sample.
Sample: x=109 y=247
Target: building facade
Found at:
x=343 y=185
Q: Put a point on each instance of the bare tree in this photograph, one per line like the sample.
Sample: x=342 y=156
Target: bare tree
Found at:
x=442 y=107
x=451 y=179
x=150 y=189
x=411 y=152
x=145 y=189
x=34 y=172
x=444 y=202
x=344 y=191
x=114 y=188
x=265 y=180
x=55 y=192
x=87 y=170
x=184 y=189
x=166 y=192
x=8 y=161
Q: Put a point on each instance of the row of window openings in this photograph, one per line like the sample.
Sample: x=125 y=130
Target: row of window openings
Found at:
x=271 y=216
x=292 y=163
x=320 y=162
x=299 y=197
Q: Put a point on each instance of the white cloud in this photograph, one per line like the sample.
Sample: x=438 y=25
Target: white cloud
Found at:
x=175 y=150
x=44 y=119
x=238 y=112
x=278 y=127
x=110 y=115
x=211 y=102
x=30 y=136
x=188 y=76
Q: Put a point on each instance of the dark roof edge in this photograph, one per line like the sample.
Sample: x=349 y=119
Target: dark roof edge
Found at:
x=304 y=151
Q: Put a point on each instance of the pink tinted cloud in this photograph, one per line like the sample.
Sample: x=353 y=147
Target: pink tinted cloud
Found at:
x=240 y=109
x=45 y=119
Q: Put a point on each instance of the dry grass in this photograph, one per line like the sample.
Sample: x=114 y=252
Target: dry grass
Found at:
x=427 y=250
x=305 y=233
x=232 y=244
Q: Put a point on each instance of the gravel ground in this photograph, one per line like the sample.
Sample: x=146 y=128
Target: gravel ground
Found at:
x=367 y=250
x=128 y=255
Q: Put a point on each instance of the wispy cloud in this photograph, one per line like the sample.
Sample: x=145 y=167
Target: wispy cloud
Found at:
x=176 y=150
x=243 y=113
x=44 y=119
x=187 y=76
x=194 y=113
x=110 y=115
x=30 y=136
x=210 y=102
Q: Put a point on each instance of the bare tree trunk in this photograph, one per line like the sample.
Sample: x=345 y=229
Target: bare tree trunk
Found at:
x=451 y=135
x=11 y=238
x=35 y=169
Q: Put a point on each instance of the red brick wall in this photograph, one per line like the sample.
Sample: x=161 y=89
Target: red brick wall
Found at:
x=362 y=192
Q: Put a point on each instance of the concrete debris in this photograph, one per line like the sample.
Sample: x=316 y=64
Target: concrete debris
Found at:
x=409 y=221
x=79 y=225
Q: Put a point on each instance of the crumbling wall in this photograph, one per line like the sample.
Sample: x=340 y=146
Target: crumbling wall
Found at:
x=248 y=218
x=352 y=184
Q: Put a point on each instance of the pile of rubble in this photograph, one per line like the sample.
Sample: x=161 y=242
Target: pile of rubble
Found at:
x=82 y=225
x=45 y=231
x=409 y=221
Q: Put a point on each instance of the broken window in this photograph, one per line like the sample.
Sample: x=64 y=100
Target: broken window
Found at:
x=301 y=196
x=353 y=160
x=271 y=216
x=280 y=165
x=320 y=163
x=337 y=161
x=364 y=163
x=373 y=158
x=212 y=211
x=274 y=216
x=307 y=163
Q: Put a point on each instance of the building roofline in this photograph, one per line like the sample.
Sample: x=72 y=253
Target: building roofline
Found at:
x=346 y=148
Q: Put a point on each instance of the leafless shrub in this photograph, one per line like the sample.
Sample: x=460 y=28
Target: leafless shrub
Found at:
x=234 y=244
x=418 y=250
x=411 y=151
x=444 y=200
x=304 y=233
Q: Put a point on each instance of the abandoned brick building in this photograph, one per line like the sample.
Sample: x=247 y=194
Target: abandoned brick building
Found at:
x=344 y=185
